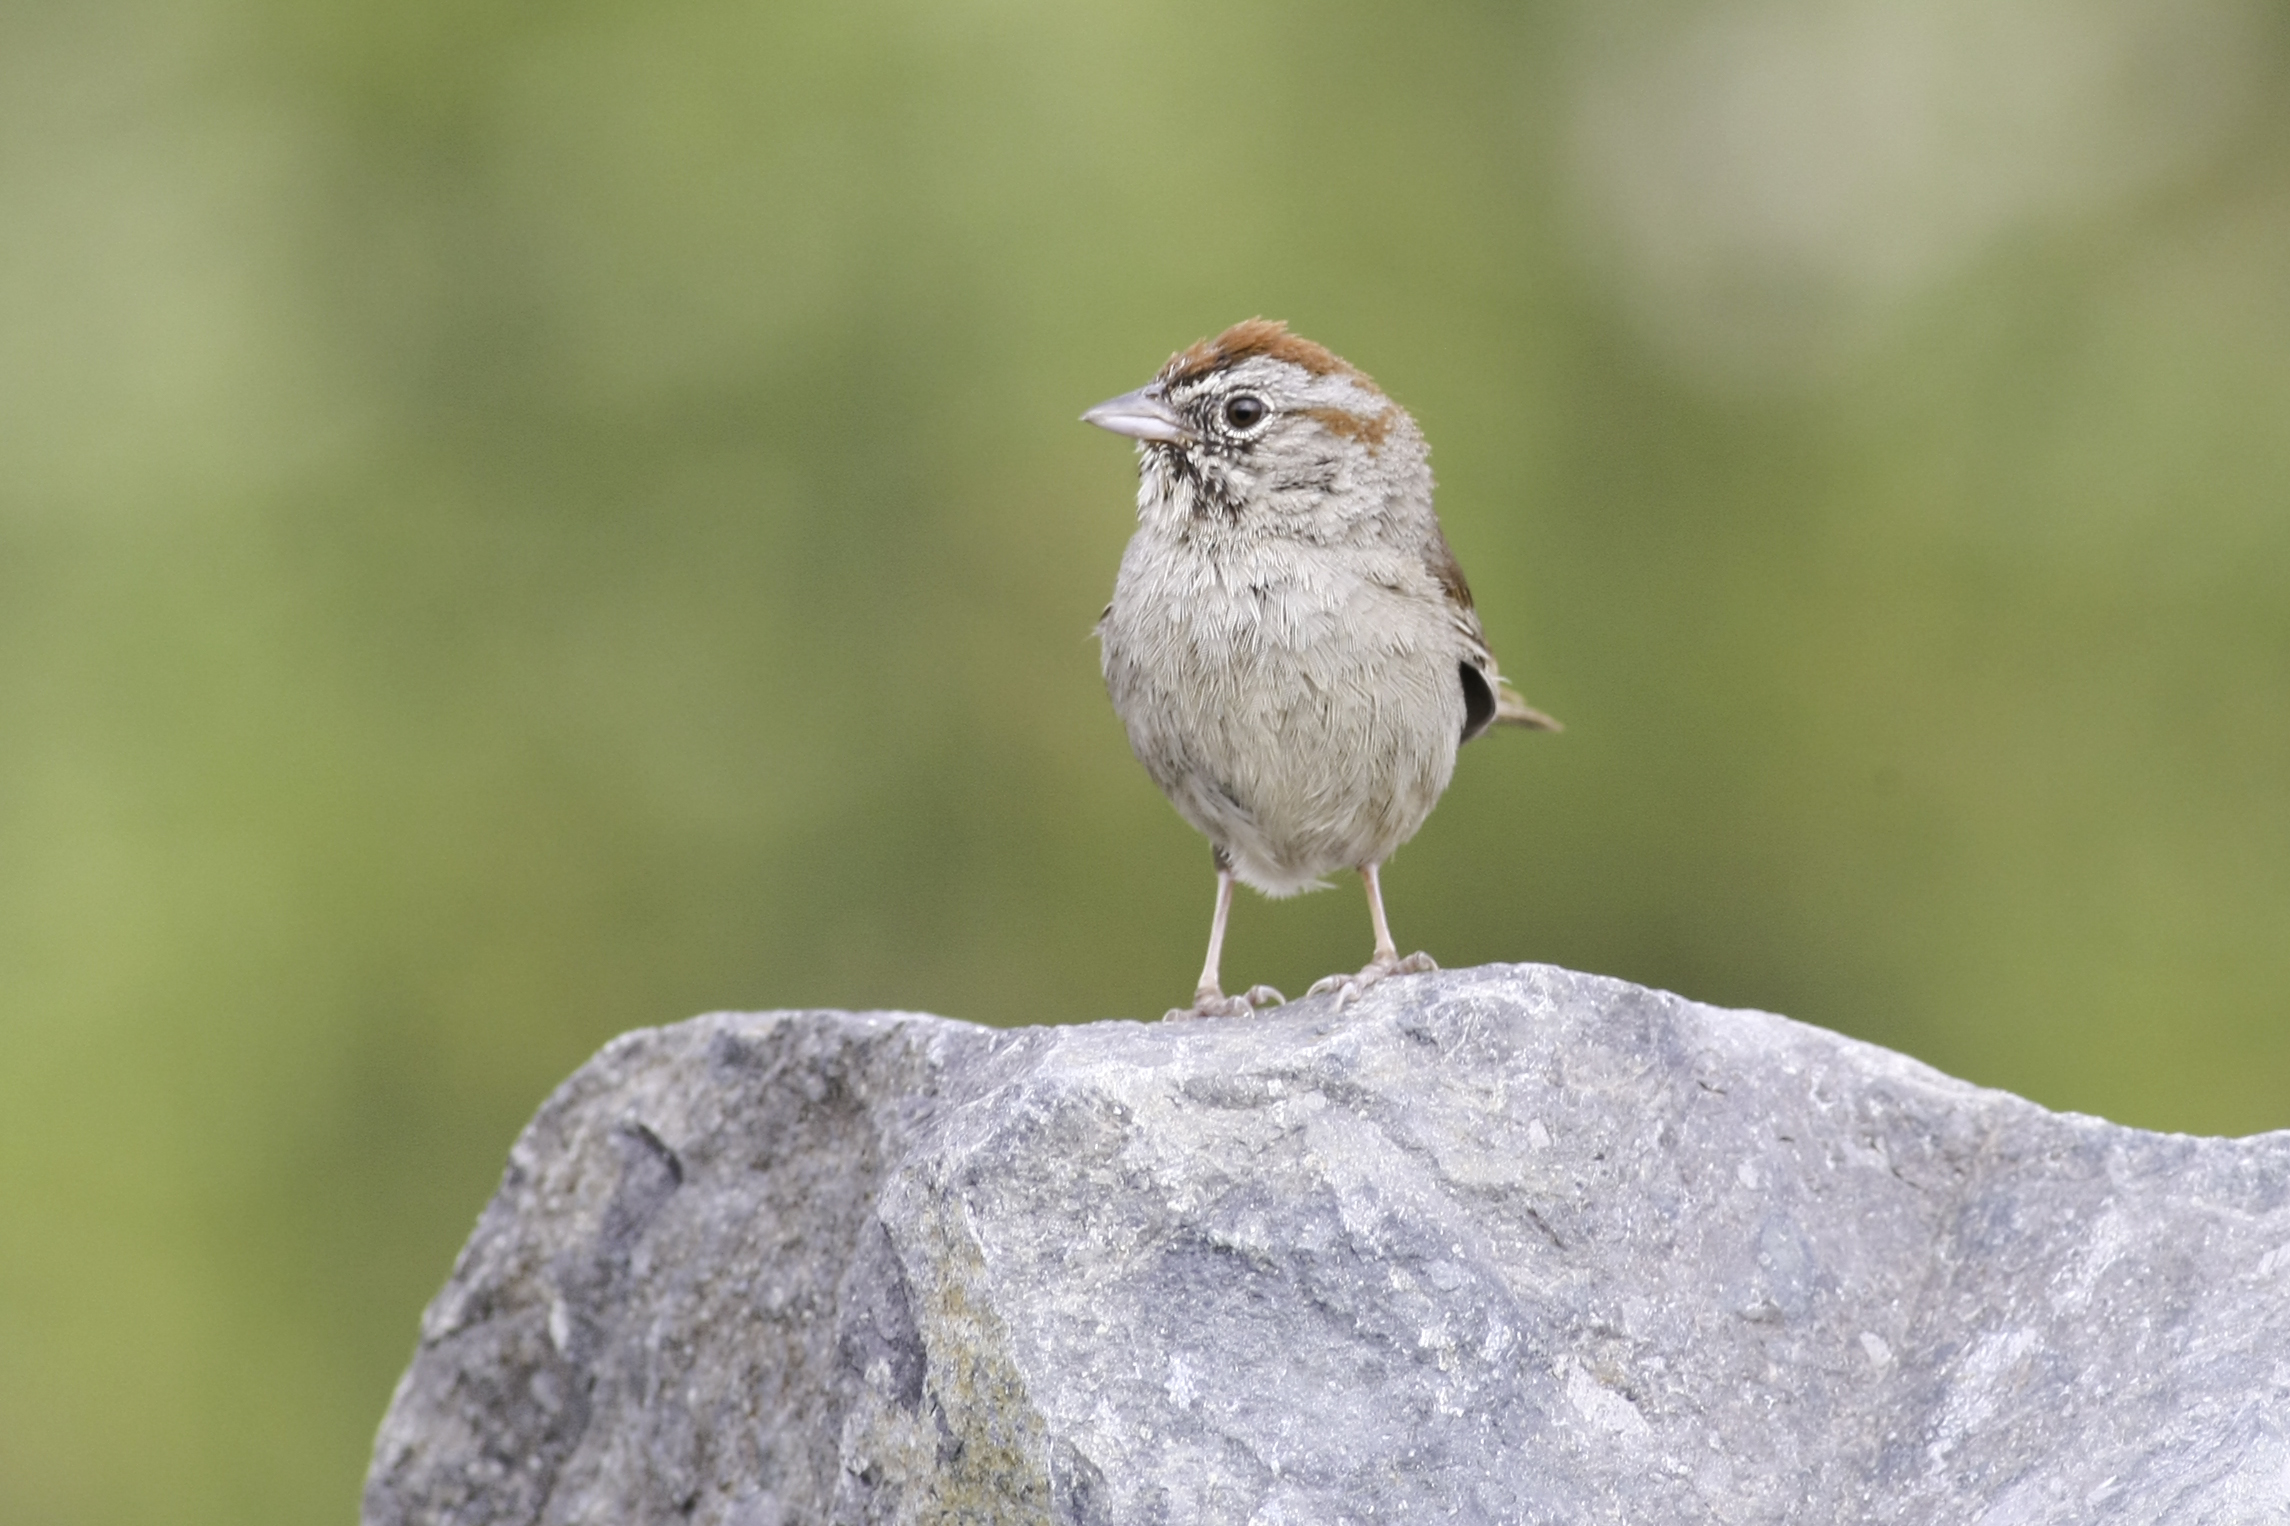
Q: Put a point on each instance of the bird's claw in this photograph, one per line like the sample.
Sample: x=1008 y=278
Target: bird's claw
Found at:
x=1347 y=988
x=1214 y=1003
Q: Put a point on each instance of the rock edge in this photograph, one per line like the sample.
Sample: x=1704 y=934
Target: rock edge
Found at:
x=1509 y=1244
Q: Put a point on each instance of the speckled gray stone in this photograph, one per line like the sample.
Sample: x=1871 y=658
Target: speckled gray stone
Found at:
x=1497 y=1245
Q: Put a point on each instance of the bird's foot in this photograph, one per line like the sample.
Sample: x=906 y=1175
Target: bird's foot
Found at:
x=1348 y=987
x=1211 y=1002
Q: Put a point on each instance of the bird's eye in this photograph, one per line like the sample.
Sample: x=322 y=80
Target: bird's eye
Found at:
x=1245 y=410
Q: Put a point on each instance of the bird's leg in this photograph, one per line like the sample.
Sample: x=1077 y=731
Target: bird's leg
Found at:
x=1386 y=961
x=1387 y=952
x=1209 y=999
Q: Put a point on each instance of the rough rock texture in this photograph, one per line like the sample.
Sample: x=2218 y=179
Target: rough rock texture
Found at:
x=1508 y=1244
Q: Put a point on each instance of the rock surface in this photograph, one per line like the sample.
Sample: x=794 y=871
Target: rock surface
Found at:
x=1497 y=1245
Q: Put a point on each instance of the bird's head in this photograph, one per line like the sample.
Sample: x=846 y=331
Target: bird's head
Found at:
x=1259 y=424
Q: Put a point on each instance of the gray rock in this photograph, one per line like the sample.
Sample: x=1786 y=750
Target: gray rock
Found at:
x=1497 y=1245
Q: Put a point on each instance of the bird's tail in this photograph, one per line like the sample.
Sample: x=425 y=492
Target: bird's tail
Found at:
x=1510 y=710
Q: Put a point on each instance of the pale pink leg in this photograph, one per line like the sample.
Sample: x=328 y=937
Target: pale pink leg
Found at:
x=1209 y=999
x=1387 y=960
x=1387 y=952
x=1211 y=985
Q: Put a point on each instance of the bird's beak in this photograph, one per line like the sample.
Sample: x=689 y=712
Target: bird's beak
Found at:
x=1141 y=415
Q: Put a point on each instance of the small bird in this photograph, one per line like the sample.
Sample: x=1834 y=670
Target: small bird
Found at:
x=1291 y=644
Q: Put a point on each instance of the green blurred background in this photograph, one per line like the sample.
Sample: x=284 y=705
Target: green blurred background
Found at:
x=519 y=522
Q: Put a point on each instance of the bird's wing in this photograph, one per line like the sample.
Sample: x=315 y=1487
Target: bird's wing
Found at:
x=1491 y=694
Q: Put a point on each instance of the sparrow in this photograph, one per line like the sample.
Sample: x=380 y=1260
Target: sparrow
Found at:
x=1291 y=645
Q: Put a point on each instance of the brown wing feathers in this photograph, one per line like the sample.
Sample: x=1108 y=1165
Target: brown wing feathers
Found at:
x=1487 y=700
